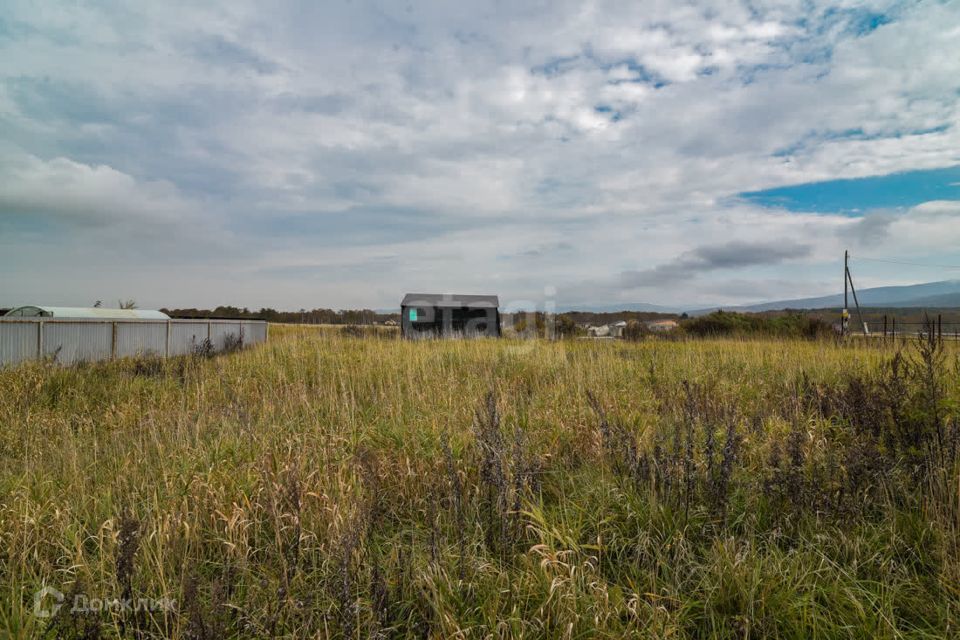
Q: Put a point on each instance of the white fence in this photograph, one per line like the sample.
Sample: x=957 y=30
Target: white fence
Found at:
x=71 y=340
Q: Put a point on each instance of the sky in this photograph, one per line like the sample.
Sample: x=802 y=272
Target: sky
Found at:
x=339 y=154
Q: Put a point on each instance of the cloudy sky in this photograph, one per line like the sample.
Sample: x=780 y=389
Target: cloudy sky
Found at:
x=338 y=154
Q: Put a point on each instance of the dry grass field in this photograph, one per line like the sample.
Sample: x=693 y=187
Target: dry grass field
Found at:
x=332 y=485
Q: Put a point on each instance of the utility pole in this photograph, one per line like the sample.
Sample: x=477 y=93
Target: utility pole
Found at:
x=848 y=280
x=846 y=274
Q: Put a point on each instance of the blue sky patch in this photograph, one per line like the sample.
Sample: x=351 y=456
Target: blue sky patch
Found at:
x=854 y=196
x=867 y=21
x=608 y=111
x=815 y=138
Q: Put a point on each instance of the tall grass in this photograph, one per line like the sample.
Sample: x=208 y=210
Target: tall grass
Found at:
x=332 y=485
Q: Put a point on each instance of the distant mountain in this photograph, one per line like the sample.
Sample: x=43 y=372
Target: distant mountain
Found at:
x=930 y=295
x=614 y=308
x=943 y=301
x=944 y=294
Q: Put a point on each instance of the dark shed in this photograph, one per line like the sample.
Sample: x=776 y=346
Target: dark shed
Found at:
x=447 y=314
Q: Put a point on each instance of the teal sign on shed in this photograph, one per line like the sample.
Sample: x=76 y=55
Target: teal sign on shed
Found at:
x=413 y=315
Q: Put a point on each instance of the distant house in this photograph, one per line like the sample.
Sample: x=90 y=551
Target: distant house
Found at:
x=662 y=326
x=612 y=330
x=449 y=315
x=599 y=331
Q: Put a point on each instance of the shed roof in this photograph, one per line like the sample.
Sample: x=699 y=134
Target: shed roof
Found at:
x=449 y=300
x=86 y=312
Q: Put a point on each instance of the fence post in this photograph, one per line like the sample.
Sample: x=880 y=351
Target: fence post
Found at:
x=40 y=340
x=167 y=348
x=884 y=325
x=939 y=327
x=113 y=341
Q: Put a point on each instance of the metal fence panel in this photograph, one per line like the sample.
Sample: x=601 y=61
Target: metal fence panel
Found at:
x=75 y=340
x=254 y=332
x=221 y=330
x=19 y=342
x=141 y=338
x=70 y=342
x=186 y=336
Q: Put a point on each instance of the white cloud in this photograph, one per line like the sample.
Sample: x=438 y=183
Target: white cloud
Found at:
x=85 y=193
x=930 y=227
x=326 y=136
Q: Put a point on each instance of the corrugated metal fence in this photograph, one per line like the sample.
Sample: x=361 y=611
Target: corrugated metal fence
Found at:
x=71 y=340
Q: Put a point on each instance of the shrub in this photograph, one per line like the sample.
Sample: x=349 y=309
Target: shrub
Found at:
x=725 y=323
x=636 y=330
x=232 y=342
x=203 y=349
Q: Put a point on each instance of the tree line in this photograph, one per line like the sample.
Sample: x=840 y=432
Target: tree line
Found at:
x=303 y=316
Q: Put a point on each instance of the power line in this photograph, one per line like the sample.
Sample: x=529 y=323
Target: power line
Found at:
x=910 y=264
